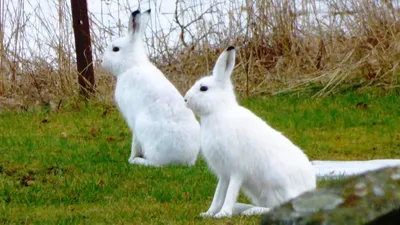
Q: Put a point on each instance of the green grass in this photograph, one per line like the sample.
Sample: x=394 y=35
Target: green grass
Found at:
x=70 y=167
x=343 y=127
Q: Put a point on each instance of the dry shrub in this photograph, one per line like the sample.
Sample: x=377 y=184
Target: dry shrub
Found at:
x=282 y=46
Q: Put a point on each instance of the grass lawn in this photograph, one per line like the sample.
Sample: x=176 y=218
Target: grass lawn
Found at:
x=71 y=166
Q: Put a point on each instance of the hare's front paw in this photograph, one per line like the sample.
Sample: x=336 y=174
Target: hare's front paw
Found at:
x=131 y=160
x=222 y=214
x=137 y=161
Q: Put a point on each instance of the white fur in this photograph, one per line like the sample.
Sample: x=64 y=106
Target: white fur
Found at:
x=164 y=130
x=243 y=151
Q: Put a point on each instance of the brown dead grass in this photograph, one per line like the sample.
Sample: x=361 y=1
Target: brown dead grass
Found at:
x=282 y=47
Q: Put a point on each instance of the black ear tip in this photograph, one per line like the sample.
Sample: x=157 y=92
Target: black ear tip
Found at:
x=148 y=11
x=230 y=48
x=135 y=13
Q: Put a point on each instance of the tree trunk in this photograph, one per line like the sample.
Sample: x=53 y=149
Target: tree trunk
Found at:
x=83 y=47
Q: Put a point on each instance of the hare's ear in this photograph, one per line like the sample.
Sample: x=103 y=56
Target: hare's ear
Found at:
x=138 y=22
x=134 y=22
x=145 y=19
x=224 y=65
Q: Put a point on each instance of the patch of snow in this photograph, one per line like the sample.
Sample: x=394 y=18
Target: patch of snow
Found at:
x=350 y=168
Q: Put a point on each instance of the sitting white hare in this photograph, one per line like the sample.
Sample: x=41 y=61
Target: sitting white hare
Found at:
x=242 y=150
x=164 y=130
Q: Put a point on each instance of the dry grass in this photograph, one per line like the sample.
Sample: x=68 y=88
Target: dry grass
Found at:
x=283 y=45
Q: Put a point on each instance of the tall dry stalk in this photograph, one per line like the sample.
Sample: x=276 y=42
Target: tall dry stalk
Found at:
x=2 y=49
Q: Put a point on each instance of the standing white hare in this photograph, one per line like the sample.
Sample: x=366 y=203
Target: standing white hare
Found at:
x=164 y=130
x=242 y=150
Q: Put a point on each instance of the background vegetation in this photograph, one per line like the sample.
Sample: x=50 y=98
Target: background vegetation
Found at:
x=327 y=46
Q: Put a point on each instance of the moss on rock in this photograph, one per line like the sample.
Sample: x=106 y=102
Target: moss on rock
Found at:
x=355 y=200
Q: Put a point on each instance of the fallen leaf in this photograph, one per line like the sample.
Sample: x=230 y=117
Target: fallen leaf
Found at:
x=100 y=183
x=105 y=112
x=110 y=139
x=93 y=131
x=361 y=105
x=45 y=121
x=27 y=180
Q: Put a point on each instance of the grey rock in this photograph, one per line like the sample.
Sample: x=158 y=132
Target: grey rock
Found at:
x=370 y=198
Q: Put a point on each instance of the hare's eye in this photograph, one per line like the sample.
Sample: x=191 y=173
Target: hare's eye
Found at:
x=115 y=49
x=203 y=88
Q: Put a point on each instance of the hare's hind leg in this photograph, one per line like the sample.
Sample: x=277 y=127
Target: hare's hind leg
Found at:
x=239 y=208
x=135 y=150
x=248 y=210
x=254 y=210
x=144 y=162
x=259 y=204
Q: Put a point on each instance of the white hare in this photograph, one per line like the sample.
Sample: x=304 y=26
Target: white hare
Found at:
x=164 y=130
x=242 y=150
